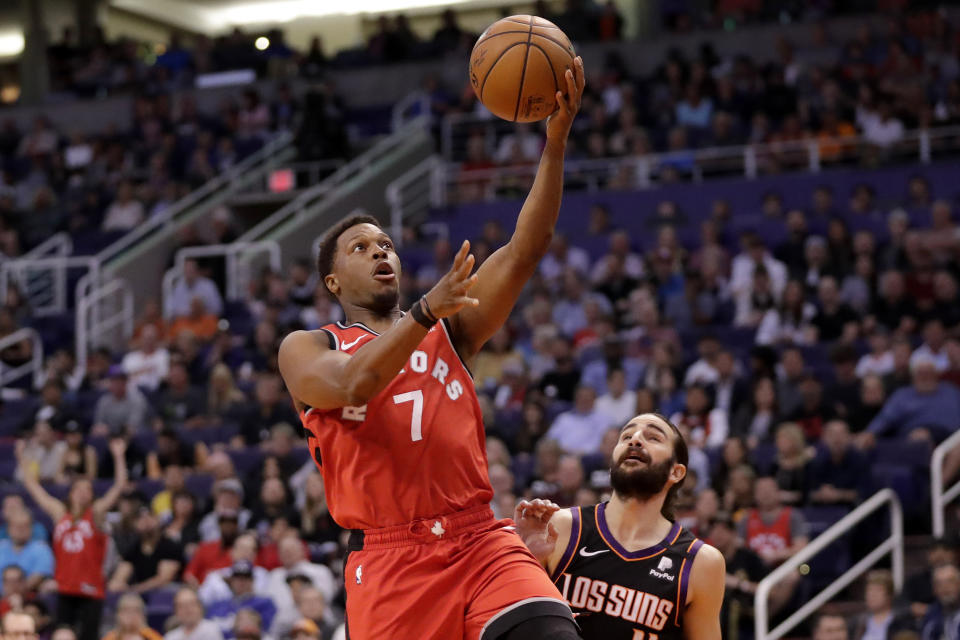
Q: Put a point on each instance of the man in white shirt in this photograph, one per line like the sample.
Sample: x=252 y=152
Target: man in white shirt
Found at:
x=704 y=370
x=883 y=130
x=562 y=257
x=188 y=611
x=147 y=366
x=755 y=253
x=618 y=403
x=191 y=286
x=125 y=213
x=580 y=430
x=933 y=347
x=294 y=563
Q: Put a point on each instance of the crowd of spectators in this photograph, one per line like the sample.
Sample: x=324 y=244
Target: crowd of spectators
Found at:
x=877 y=85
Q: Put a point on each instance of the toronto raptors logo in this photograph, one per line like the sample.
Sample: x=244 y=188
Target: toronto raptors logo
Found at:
x=72 y=536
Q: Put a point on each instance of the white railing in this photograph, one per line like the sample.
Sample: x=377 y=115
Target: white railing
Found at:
x=941 y=496
x=412 y=194
x=640 y=172
x=105 y=316
x=33 y=367
x=44 y=288
x=399 y=116
x=237 y=257
x=358 y=165
x=892 y=545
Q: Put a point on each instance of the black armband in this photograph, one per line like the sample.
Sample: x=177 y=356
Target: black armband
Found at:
x=420 y=315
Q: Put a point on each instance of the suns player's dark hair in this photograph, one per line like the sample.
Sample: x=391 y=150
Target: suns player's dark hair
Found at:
x=681 y=454
x=328 y=245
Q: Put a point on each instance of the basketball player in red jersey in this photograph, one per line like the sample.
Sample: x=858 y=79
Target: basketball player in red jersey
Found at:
x=79 y=542
x=393 y=423
x=628 y=570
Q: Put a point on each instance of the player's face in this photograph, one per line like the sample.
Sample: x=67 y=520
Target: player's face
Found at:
x=644 y=462
x=366 y=269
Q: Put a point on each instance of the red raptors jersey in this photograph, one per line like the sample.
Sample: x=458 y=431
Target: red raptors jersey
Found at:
x=79 y=548
x=416 y=450
x=774 y=537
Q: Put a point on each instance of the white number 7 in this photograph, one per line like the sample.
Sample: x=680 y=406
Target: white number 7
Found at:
x=417 y=398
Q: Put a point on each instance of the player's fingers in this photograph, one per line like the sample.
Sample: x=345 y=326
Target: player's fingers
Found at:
x=580 y=74
x=461 y=255
x=571 y=85
x=466 y=267
x=562 y=103
x=469 y=282
x=469 y=302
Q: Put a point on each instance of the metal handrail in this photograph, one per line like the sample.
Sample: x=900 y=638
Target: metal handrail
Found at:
x=167 y=215
x=34 y=366
x=940 y=496
x=90 y=294
x=59 y=244
x=331 y=182
x=58 y=266
x=232 y=253
x=433 y=167
x=892 y=545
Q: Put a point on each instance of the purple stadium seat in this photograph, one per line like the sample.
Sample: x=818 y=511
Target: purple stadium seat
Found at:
x=199 y=484
x=150 y=487
x=246 y=460
x=902 y=453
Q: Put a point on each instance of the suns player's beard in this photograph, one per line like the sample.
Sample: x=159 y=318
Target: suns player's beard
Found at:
x=642 y=483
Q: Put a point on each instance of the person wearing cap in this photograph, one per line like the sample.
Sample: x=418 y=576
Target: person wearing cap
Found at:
x=228 y=496
x=295 y=565
x=216 y=586
x=240 y=581
x=122 y=409
x=927 y=409
x=213 y=554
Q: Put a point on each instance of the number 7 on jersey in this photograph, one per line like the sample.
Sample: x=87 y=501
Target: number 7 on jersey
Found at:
x=416 y=397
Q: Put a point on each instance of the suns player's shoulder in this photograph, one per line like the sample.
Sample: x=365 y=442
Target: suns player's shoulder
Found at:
x=567 y=524
x=707 y=575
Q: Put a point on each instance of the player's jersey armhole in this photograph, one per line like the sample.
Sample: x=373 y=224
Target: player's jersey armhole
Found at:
x=574 y=542
x=445 y=323
x=684 y=580
x=332 y=337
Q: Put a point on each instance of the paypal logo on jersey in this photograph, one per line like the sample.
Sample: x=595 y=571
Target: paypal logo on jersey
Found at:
x=661 y=571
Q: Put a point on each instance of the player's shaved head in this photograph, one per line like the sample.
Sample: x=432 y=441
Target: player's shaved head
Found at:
x=328 y=245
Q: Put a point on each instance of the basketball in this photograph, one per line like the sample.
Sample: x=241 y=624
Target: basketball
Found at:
x=518 y=65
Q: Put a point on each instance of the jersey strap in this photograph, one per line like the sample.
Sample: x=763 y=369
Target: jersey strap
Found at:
x=567 y=558
x=684 y=581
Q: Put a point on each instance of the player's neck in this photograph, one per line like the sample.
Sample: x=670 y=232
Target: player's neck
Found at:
x=378 y=321
x=637 y=524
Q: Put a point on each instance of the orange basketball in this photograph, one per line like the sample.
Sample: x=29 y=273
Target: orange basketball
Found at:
x=518 y=65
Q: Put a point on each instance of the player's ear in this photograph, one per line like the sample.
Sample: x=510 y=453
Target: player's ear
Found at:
x=678 y=473
x=332 y=284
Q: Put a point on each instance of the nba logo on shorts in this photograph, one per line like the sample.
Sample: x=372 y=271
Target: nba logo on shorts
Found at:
x=665 y=564
x=359 y=574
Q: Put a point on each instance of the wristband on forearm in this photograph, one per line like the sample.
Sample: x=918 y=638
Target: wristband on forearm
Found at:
x=419 y=313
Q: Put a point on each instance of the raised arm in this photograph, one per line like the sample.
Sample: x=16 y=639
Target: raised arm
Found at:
x=504 y=274
x=701 y=619
x=327 y=379
x=50 y=505
x=118 y=448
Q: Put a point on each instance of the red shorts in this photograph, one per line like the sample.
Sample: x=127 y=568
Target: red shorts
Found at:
x=458 y=576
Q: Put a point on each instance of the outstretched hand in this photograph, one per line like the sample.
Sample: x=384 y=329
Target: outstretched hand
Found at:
x=558 y=124
x=534 y=527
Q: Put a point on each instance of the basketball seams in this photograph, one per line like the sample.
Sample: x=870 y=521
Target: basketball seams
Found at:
x=523 y=71
x=494 y=64
x=553 y=72
x=555 y=41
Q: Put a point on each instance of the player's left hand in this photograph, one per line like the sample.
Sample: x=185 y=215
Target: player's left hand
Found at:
x=534 y=527
x=568 y=103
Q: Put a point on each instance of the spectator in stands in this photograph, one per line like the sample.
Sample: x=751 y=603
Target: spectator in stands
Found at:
x=614 y=357
x=216 y=585
x=835 y=320
x=305 y=629
x=295 y=564
x=791 y=322
x=880 y=620
x=179 y=403
x=14 y=589
x=248 y=625
x=213 y=554
x=188 y=615
x=618 y=403
x=122 y=409
x=18 y=626
x=224 y=612
x=562 y=381
x=925 y=410
x=879 y=360
x=755 y=419
x=313 y=607
x=152 y=563
x=744 y=570
x=870 y=403
x=580 y=429
x=708 y=425
x=918 y=588
x=790 y=466
x=773 y=531
x=268 y=408
x=79 y=542
x=45 y=451
x=830 y=627
x=13 y=505
x=131 y=621
x=193 y=285
x=894 y=308
x=933 y=347
x=562 y=257
x=34 y=557
x=79 y=460
x=148 y=365
x=228 y=496
x=125 y=213
x=838 y=471
x=182 y=525
x=942 y=619
x=813 y=411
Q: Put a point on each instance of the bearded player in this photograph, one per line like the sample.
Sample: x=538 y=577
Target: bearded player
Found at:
x=392 y=421
x=628 y=571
